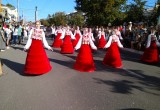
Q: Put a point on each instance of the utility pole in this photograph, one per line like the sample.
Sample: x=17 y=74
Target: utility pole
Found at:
x=22 y=17
x=17 y=10
x=36 y=14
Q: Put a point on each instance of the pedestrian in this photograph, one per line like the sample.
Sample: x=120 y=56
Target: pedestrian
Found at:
x=67 y=46
x=151 y=54
x=37 y=62
x=15 y=35
x=84 y=61
x=2 y=39
x=112 y=57
x=8 y=35
x=19 y=34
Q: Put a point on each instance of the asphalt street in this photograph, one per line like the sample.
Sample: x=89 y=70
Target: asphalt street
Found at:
x=136 y=86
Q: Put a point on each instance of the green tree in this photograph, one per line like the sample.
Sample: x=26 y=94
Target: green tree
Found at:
x=76 y=19
x=135 y=11
x=101 y=12
x=50 y=19
x=10 y=5
x=44 y=22
x=59 y=18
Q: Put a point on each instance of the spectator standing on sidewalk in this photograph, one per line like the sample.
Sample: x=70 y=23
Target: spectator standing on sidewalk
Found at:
x=37 y=62
x=151 y=54
x=8 y=35
x=2 y=39
x=53 y=32
x=19 y=34
x=15 y=35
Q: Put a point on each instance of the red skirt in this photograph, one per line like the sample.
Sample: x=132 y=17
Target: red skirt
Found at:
x=151 y=54
x=67 y=47
x=102 y=42
x=57 y=42
x=112 y=57
x=84 y=60
x=37 y=61
x=77 y=36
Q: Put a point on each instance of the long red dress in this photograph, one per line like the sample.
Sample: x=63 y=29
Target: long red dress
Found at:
x=77 y=37
x=37 y=62
x=84 y=61
x=151 y=54
x=102 y=41
x=112 y=57
x=58 y=42
x=67 y=47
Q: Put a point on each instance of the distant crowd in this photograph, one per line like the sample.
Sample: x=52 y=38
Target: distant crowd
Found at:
x=131 y=35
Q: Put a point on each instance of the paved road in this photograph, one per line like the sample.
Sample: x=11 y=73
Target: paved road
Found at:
x=134 y=87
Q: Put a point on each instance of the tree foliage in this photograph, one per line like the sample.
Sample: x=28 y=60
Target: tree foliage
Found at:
x=44 y=22
x=76 y=19
x=135 y=11
x=10 y=5
x=59 y=18
x=101 y=12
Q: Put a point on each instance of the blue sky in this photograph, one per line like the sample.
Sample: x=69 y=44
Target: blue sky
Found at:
x=45 y=7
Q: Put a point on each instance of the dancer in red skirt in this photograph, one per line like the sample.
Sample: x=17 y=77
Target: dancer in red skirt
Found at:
x=84 y=61
x=77 y=35
x=112 y=57
x=102 y=40
x=90 y=33
x=58 y=42
x=37 y=62
x=67 y=47
x=151 y=54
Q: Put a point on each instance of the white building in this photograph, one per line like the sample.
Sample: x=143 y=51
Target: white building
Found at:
x=9 y=13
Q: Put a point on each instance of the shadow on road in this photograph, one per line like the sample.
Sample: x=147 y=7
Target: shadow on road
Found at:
x=134 y=57
x=17 y=67
x=17 y=48
x=68 y=64
x=142 y=82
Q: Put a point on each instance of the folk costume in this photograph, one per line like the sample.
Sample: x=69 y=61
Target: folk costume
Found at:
x=112 y=57
x=102 y=40
x=151 y=54
x=67 y=47
x=37 y=61
x=77 y=36
x=57 y=43
x=84 y=61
